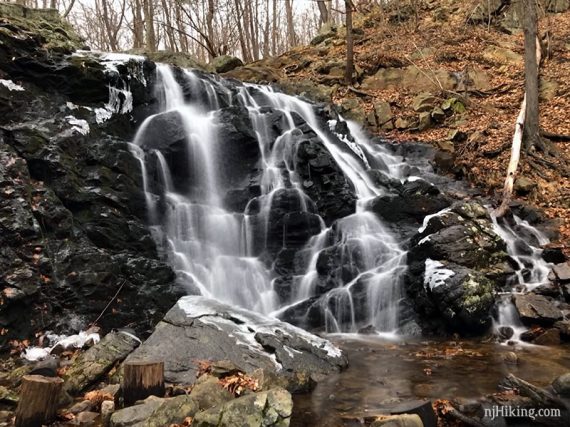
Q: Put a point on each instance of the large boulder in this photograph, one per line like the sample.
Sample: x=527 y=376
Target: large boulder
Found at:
x=225 y=63
x=456 y=264
x=156 y=412
x=249 y=340
x=73 y=211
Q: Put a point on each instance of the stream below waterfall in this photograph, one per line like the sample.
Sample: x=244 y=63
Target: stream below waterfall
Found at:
x=386 y=373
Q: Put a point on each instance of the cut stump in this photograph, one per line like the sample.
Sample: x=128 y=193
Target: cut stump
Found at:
x=39 y=397
x=142 y=379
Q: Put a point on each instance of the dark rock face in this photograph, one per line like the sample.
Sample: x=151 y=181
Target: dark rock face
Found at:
x=250 y=341
x=323 y=180
x=72 y=212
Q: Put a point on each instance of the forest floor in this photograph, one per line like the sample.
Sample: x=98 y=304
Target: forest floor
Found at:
x=438 y=39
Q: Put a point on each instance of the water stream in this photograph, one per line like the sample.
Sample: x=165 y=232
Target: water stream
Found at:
x=524 y=247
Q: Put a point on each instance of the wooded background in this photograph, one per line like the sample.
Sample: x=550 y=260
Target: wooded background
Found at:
x=251 y=30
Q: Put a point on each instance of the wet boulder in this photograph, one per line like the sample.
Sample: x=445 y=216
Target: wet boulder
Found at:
x=463 y=297
x=537 y=309
x=410 y=203
x=250 y=341
x=463 y=235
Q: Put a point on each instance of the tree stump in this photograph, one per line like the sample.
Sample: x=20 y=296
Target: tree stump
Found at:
x=142 y=379
x=39 y=397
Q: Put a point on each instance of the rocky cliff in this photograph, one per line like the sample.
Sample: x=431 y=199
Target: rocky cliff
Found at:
x=73 y=239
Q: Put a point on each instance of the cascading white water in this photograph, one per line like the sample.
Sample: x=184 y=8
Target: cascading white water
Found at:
x=213 y=250
x=532 y=270
x=382 y=262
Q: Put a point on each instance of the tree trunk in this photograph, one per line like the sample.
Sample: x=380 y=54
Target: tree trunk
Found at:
x=275 y=30
x=531 y=126
x=149 y=25
x=39 y=398
x=323 y=11
x=142 y=379
x=137 y=24
x=522 y=122
x=349 y=44
x=210 y=28
x=290 y=24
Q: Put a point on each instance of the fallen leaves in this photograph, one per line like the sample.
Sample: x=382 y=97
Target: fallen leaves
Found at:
x=238 y=383
x=98 y=396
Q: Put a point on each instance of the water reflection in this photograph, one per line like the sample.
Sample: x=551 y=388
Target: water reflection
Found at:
x=385 y=373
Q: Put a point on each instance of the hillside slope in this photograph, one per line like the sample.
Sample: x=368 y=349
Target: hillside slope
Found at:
x=451 y=74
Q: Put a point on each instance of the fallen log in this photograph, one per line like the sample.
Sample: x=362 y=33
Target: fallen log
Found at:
x=539 y=396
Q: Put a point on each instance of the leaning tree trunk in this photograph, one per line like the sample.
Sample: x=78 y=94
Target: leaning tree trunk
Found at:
x=526 y=126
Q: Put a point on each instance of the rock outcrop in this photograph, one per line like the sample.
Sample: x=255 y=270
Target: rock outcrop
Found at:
x=73 y=229
x=250 y=341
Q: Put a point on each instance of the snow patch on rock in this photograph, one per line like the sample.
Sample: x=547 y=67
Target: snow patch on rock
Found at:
x=78 y=125
x=435 y=275
x=11 y=86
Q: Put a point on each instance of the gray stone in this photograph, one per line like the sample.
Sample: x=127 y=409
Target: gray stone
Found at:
x=248 y=340
x=424 y=102
x=270 y=408
x=135 y=416
x=402 y=123
x=562 y=272
x=424 y=121
x=82 y=406
x=225 y=63
x=383 y=112
x=524 y=186
x=502 y=56
x=537 y=309
x=172 y=411
x=86 y=418
x=107 y=409
x=208 y=392
x=403 y=420
x=561 y=384
x=421 y=408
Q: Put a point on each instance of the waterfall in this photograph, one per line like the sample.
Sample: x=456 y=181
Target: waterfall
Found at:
x=524 y=247
x=229 y=255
